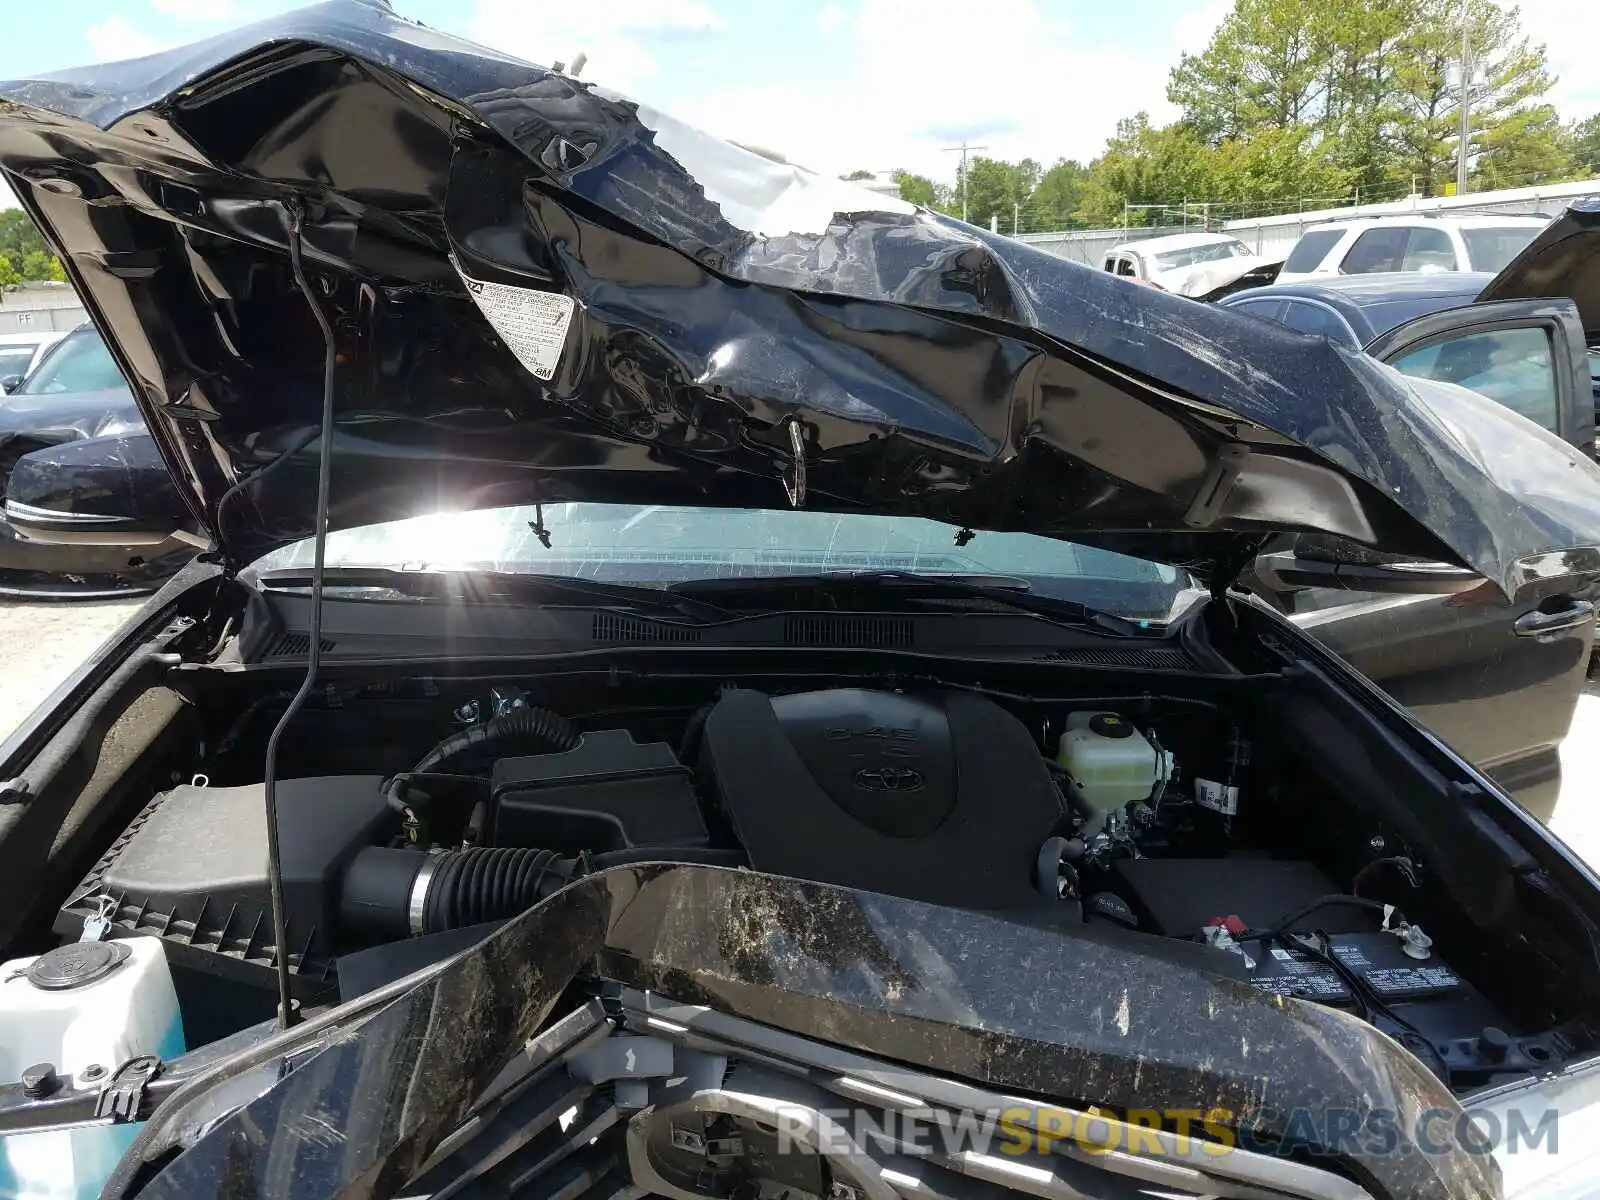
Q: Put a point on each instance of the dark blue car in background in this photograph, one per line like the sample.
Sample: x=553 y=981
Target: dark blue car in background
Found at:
x=1528 y=337
x=88 y=508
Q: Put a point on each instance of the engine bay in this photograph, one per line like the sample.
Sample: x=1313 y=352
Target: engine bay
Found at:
x=1176 y=824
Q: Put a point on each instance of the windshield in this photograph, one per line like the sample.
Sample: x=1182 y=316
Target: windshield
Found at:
x=14 y=359
x=79 y=362
x=1170 y=260
x=1492 y=248
x=649 y=544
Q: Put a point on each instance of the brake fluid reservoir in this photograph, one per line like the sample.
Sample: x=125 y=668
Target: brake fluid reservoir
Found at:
x=1109 y=764
x=77 y=1007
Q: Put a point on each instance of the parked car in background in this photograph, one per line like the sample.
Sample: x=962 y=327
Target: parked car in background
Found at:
x=90 y=508
x=598 y=852
x=1562 y=260
x=1526 y=336
x=20 y=353
x=1202 y=266
x=1506 y=337
x=1371 y=245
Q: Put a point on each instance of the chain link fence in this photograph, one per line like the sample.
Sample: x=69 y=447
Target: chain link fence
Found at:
x=1275 y=233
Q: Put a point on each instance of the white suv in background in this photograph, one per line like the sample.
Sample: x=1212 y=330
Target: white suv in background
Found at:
x=1365 y=245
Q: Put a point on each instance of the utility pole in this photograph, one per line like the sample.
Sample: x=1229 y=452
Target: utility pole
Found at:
x=963 y=148
x=1466 y=100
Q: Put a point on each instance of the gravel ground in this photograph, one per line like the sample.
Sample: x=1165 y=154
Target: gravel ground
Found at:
x=1577 y=816
x=41 y=644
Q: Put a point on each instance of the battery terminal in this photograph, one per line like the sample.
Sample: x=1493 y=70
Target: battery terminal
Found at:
x=1413 y=942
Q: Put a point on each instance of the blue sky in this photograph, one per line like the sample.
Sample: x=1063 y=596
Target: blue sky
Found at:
x=834 y=84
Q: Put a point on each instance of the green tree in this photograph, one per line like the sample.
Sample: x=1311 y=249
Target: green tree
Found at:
x=1358 y=110
x=1508 y=78
x=1056 y=197
x=859 y=174
x=1527 y=147
x=18 y=234
x=1167 y=172
x=1297 y=102
x=995 y=191
x=920 y=190
x=1277 y=168
x=8 y=273
x=41 y=264
x=1145 y=166
x=1266 y=67
x=1584 y=146
x=23 y=246
x=1377 y=83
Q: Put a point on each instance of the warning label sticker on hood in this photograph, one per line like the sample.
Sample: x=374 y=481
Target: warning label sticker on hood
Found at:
x=532 y=323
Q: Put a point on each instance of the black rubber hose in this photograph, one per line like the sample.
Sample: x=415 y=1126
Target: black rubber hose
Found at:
x=693 y=732
x=384 y=890
x=547 y=732
x=402 y=792
x=1286 y=924
x=1399 y=862
x=484 y=883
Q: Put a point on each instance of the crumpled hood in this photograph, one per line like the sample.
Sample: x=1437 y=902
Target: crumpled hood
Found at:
x=1203 y=279
x=543 y=291
x=1564 y=260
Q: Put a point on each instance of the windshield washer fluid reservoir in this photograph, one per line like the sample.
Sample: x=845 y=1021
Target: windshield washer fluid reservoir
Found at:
x=1109 y=765
x=81 y=1005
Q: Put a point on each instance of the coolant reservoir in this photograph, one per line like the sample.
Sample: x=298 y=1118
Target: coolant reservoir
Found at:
x=86 y=1005
x=1110 y=764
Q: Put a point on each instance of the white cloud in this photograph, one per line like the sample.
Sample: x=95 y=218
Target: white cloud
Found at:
x=1025 y=82
x=1022 y=84
x=624 y=39
x=1192 y=32
x=1569 y=31
x=197 y=10
x=117 y=38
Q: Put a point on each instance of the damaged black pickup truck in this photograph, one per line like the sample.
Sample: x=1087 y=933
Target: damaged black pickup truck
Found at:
x=751 y=731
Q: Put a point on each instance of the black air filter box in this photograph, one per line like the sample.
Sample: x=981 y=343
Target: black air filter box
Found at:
x=192 y=868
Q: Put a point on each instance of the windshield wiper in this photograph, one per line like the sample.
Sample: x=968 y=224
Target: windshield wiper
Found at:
x=485 y=586
x=1002 y=591
x=697 y=600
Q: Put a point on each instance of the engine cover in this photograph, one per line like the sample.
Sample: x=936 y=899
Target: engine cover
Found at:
x=942 y=798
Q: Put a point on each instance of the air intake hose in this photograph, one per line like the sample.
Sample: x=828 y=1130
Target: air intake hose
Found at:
x=395 y=893
x=543 y=731
x=400 y=893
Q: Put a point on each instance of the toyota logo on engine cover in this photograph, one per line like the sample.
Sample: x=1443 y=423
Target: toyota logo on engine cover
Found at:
x=889 y=779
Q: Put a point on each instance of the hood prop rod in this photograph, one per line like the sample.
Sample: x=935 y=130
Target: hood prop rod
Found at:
x=280 y=933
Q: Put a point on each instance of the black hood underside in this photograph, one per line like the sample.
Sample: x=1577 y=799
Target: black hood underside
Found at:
x=954 y=992
x=707 y=327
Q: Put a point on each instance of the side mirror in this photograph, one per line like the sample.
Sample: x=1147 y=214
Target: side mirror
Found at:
x=1286 y=571
x=10 y=383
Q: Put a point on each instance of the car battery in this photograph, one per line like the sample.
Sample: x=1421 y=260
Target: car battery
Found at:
x=1389 y=974
x=1424 y=1004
